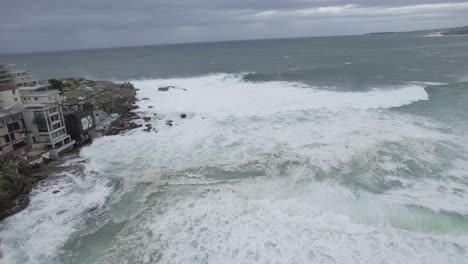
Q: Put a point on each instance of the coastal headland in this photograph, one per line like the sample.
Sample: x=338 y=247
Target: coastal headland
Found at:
x=112 y=104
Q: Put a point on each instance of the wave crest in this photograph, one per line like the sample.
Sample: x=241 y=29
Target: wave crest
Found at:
x=229 y=94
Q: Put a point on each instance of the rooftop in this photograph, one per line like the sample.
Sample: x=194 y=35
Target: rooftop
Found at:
x=4 y=112
x=32 y=107
x=36 y=88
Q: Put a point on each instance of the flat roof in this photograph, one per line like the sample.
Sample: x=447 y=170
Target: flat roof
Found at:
x=38 y=88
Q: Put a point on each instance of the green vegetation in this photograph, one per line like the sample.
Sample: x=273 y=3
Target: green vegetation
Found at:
x=11 y=180
x=56 y=84
x=111 y=97
x=88 y=106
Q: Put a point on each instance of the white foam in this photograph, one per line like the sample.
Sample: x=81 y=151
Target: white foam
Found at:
x=228 y=194
x=227 y=94
x=378 y=143
x=36 y=234
x=277 y=172
x=464 y=78
x=270 y=221
x=434 y=34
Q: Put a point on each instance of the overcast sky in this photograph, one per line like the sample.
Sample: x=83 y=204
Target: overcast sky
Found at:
x=31 y=25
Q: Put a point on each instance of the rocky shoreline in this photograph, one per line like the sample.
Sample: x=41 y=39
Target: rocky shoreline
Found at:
x=26 y=182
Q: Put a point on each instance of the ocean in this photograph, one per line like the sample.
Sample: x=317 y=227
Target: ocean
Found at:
x=312 y=150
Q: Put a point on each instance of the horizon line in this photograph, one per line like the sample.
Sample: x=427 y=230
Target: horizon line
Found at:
x=213 y=41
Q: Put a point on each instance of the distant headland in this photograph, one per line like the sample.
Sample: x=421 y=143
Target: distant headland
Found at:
x=441 y=32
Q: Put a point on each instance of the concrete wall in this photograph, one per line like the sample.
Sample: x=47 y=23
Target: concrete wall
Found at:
x=9 y=98
x=50 y=97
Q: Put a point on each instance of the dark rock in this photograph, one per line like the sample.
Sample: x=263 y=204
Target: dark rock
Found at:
x=146 y=118
x=93 y=208
x=165 y=88
x=56 y=191
x=169 y=122
x=150 y=106
x=148 y=128
x=183 y=116
x=145 y=98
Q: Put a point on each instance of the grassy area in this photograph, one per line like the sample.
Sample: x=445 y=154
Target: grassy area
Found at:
x=109 y=101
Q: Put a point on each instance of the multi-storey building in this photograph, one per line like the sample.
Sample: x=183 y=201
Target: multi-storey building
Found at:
x=45 y=128
x=79 y=125
x=12 y=138
x=40 y=94
x=5 y=76
x=22 y=79
x=9 y=96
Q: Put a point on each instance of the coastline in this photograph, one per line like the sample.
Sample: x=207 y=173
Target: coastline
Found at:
x=26 y=182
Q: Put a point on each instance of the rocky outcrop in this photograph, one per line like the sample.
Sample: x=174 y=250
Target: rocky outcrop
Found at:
x=16 y=182
x=148 y=128
x=165 y=88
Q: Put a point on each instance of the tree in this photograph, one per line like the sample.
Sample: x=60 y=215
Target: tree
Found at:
x=56 y=84
x=88 y=106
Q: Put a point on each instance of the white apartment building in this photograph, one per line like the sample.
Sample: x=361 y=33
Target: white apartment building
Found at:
x=45 y=128
x=40 y=94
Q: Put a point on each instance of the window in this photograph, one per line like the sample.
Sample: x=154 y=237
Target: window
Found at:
x=56 y=126
x=54 y=118
x=59 y=133
x=35 y=98
x=19 y=145
x=13 y=126
x=40 y=122
x=16 y=99
x=13 y=91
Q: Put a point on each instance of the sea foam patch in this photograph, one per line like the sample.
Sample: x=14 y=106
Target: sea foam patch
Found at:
x=228 y=94
x=283 y=172
x=58 y=208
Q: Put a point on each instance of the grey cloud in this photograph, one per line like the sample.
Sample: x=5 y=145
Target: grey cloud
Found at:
x=27 y=25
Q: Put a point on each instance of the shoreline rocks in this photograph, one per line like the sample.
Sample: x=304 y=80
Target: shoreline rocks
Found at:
x=123 y=105
x=24 y=185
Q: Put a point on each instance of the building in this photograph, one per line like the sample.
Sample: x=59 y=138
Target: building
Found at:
x=79 y=125
x=12 y=137
x=5 y=76
x=9 y=96
x=23 y=79
x=45 y=128
x=40 y=94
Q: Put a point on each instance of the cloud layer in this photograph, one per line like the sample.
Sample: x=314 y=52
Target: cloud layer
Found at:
x=28 y=25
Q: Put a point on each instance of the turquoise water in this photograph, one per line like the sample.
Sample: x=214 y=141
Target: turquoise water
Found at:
x=314 y=150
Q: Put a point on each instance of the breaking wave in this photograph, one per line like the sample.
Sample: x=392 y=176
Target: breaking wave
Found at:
x=229 y=94
x=263 y=172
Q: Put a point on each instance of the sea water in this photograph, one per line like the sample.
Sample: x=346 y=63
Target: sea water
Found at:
x=316 y=150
